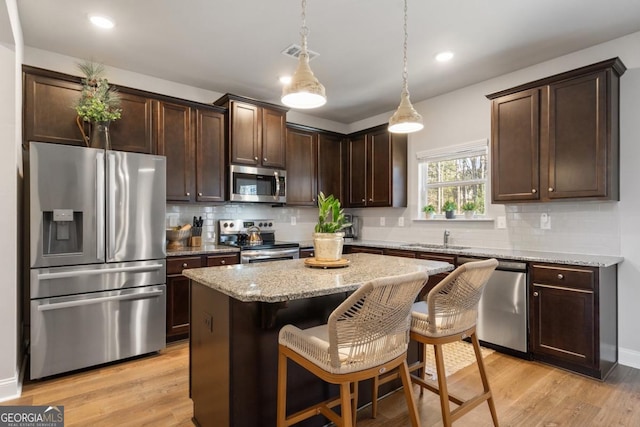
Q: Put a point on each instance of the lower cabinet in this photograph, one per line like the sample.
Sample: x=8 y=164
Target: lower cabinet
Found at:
x=573 y=317
x=178 y=289
x=363 y=249
x=307 y=253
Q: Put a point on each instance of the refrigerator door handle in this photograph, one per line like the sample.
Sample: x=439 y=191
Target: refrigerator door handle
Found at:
x=76 y=273
x=111 y=203
x=77 y=303
x=100 y=206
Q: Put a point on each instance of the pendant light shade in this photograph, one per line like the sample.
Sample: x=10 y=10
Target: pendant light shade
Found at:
x=304 y=91
x=406 y=119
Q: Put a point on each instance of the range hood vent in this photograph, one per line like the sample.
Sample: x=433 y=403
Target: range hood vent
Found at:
x=295 y=49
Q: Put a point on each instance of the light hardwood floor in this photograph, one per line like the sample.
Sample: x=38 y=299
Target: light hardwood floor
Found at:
x=153 y=391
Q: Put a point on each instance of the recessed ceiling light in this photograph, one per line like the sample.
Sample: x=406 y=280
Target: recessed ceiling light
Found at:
x=285 y=80
x=101 y=21
x=444 y=56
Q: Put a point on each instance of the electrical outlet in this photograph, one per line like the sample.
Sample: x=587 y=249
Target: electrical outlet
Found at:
x=545 y=221
x=293 y=220
x=382 y=221
x=401 y=221
x=501 y=222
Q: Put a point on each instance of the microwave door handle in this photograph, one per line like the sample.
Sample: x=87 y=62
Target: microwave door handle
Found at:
x=275 y=196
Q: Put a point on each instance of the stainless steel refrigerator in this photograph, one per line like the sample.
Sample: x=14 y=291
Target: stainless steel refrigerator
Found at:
x=97 y=256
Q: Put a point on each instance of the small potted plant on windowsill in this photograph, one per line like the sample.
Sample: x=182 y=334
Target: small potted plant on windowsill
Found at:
x=429 y=211
x=449 y=208
x=469 y=209
x=328 y=237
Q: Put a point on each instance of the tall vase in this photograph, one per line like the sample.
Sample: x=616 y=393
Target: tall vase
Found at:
x=100 y=135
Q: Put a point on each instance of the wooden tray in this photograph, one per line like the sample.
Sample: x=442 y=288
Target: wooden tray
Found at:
x=314 y=263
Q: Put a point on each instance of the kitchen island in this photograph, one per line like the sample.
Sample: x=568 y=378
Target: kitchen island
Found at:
x=236 y=314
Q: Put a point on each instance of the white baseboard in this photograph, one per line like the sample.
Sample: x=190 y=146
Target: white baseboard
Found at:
x=10 y=388
x=628 y=357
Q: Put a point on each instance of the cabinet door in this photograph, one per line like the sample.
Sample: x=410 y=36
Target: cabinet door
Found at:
x=562 y=323
x=218 y=260
x=177 y=306
x=132 y=132
x=378 y=168
x=578 y=141
x=210 y=167
x=515 y=143
x=245 y=133
x=175 y=141
x=357 y=171
x=49 y=115
x=307 y=253
x=301 y=172
x=273 y=138
x=330 y=165
x=434 y=279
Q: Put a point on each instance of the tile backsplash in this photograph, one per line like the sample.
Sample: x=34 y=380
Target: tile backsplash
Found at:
x=584 y=227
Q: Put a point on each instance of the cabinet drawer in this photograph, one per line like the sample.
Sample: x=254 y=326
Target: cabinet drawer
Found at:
x=438 y=257
x=563 y=276
x=306 y=253
x=215 y=261
x=176 y=265
x=399 y=252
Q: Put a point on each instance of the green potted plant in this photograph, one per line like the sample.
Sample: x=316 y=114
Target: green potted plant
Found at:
x=469 y=209
x=328 y=237
x=449 y=209
x=99 y=105
x=429 y=210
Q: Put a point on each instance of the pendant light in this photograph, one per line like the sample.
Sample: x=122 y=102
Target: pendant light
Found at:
x=304 y=91
x=406 y=119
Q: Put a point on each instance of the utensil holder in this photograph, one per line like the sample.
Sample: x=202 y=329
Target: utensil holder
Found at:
x=195 y=241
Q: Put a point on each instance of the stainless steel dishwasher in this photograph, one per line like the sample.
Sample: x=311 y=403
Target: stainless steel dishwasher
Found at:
x=502 y=312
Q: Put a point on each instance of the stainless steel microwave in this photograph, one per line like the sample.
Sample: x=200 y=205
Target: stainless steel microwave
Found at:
x=252 y=184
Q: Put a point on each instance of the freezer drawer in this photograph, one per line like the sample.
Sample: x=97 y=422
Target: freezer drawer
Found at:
x=79 y=331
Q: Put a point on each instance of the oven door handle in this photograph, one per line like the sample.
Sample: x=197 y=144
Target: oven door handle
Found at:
x=268 y=253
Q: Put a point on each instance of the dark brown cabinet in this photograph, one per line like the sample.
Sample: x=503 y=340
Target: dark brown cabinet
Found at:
x=256 y=132
x=573 y=317
x=314 y=165
x=178 y=290
x=376 y=168
x=307 y=253
x=557 y=138
x=192 y=139
x=133 y=131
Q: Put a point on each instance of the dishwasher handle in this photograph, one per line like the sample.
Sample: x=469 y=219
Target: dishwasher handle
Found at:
x=502 y=264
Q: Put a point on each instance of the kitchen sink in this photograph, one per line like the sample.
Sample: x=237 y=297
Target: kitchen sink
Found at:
x=433 y=246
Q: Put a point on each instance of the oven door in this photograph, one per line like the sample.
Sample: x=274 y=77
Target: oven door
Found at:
x=251 y=184
x=265 y=255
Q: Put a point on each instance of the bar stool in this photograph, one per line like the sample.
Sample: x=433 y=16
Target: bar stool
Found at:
x=450 y=314
x=365 y=336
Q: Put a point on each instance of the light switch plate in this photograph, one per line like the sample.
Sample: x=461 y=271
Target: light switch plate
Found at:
x=401 y=221
x=545 y=221
x=501 y=222
x=293 y=220
x=382 y=221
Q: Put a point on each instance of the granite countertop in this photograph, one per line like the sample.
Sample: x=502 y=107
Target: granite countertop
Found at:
x=508 y=254
x=291 y=279
x=200 y=250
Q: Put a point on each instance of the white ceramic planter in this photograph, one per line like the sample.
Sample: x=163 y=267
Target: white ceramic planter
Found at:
x=469 y=214
x=328 y=246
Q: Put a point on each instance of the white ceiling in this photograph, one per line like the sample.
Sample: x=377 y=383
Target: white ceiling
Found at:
x=234 y=45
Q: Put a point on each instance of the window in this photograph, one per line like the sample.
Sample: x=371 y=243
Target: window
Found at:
x=456 y=173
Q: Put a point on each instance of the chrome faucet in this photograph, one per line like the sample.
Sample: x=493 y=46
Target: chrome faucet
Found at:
x=447 y=233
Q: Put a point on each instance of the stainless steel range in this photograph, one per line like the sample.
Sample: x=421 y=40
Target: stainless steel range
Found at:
x=256 y=239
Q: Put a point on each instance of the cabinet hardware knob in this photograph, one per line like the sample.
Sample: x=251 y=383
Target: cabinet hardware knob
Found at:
x=534 y=191
x=560 y=276
x=187 y=194
x=223 y=262
x=200 y=194
x=363 y=200
x=535 y=294
x=371 y=200
x=313 y=200
x=255 y=158
x=312 y=254
x=184 y=264
x=551 y=189
x=264 y=159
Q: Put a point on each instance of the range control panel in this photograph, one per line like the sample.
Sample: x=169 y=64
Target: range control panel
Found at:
x=238 y=226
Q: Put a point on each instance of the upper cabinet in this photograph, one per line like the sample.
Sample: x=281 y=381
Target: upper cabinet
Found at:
x=376 y=168
x=558 y=138
x=257 y=132
x=192 y=139
x=314 y=165
x=49 y=116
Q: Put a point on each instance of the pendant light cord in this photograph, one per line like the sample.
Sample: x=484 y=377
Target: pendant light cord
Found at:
x=304 y=30
x=405 y=74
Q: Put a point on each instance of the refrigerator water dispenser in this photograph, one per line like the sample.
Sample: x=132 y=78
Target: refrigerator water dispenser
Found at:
x=62 y=230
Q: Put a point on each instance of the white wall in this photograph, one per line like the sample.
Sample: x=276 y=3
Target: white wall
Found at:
x=10 y=168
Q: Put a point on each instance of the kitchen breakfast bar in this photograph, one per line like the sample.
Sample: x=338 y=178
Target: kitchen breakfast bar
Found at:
x=236 y=314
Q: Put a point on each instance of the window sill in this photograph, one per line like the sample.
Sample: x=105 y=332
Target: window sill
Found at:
x=458 y=218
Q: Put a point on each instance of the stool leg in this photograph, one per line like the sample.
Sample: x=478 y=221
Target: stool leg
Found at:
x=485 y=380
x=407 y=386
x=345 y=404
x=354 y=407
x=375 y=385
x=282 y=390
x=442 y=386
